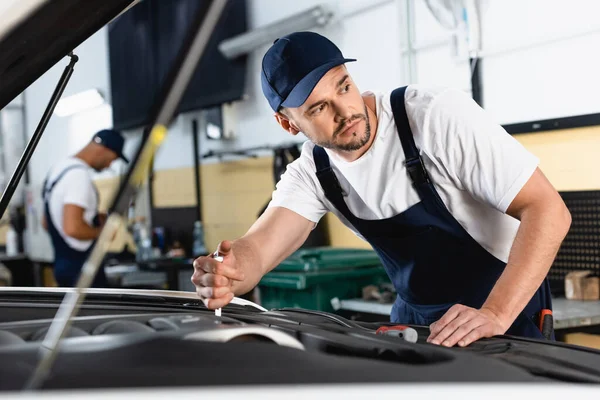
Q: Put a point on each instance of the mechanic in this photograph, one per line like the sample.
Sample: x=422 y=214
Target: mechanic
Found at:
x=465 y=223
x=71 y=206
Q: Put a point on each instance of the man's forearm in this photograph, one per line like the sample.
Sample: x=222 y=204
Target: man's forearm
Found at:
x=83 y=232
x=248 y=258
x=534 y=249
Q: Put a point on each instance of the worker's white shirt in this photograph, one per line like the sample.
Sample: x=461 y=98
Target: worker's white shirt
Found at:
x=476 y=167
x=75 y=187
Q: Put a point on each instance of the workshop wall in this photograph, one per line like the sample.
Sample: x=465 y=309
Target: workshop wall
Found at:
x=433 y=57
x=3 y=232
x=174 y=188
x=233 y=194
x=174 y=205
x=545 y=64
x=538 y=57
x=568 y=157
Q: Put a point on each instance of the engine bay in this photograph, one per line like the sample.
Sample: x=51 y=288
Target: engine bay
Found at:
x=138 y=342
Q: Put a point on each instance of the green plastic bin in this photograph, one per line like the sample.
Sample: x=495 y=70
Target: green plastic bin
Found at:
x=310 y=278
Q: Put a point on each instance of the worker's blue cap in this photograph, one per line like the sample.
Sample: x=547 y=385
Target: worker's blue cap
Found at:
x=294 y=65
x=112 y=140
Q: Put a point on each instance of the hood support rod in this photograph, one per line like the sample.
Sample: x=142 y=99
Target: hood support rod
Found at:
x=37 y=135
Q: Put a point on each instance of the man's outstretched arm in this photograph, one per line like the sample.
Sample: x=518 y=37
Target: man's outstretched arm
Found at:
x=273 y=237
x=545 y=221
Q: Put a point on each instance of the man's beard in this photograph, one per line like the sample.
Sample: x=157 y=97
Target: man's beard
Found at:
x=357 y=142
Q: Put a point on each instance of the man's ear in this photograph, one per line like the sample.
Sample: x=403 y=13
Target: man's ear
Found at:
x=286 y=124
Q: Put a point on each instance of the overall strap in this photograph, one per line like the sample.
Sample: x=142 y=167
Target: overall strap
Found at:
x=46 y=191
x=414 y=163
x=329 y=182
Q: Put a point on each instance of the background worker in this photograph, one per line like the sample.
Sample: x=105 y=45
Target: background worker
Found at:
x=71 y=205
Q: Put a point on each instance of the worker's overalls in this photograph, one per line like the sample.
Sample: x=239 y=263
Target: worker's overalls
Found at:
x=430 y=258
x=67 y=260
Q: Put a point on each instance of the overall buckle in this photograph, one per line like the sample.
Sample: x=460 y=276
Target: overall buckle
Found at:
x=416 y=170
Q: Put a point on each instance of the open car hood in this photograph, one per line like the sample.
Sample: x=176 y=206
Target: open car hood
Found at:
x=131 y=338
x=36 y=34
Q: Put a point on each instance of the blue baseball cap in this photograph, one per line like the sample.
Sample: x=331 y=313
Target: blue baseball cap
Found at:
x=294 y=65
x=112 y=140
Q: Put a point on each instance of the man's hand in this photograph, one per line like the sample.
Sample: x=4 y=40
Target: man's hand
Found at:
x=214 y=280
x=464 y=325
x=102 y=217
x=271 y=239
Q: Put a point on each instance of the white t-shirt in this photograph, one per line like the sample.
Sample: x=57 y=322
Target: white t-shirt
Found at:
x=476 y=167
x=75 y=187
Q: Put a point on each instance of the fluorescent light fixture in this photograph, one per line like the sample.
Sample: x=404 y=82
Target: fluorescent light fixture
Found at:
x=78 y=102
x=318 y=16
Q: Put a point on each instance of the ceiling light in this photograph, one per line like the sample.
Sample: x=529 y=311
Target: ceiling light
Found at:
x=245 y=43
x=78 y=102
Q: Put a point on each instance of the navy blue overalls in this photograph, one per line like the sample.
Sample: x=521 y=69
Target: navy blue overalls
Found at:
x=67 y=260
x=430 y=258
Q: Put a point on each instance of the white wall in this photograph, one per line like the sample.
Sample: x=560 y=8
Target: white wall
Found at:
x=552 y=78
x=433 y=64
x=539 y=58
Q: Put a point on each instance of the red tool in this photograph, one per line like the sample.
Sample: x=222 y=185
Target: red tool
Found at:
x=404 y=332
x=546 y=323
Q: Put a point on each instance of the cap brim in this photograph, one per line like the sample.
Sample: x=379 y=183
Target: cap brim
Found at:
x=304 y=88
x=122 y=157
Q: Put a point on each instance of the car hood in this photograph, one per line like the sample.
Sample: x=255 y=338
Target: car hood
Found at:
x=36 y=34
x=133 y=338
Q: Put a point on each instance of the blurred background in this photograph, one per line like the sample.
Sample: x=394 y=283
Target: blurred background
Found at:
x=532 y=64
